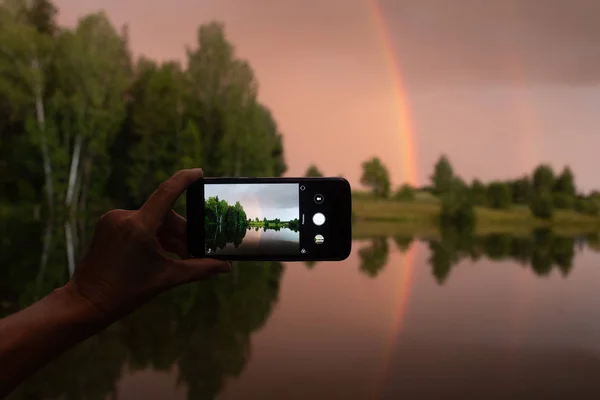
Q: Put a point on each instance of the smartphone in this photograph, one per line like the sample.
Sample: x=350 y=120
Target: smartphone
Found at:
x=270 y=219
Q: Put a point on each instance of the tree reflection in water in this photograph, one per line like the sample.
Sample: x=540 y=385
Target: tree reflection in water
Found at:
x=542 y=251
x=202 y=329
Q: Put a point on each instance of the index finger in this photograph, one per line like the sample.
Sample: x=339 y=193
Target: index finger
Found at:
x=155 y=209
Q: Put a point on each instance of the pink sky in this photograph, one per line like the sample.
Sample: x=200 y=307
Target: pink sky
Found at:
x=499 y=86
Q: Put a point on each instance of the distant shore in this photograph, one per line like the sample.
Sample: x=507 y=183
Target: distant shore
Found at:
x=420 y=217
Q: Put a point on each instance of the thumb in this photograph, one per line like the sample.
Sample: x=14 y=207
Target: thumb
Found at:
x=195 y=269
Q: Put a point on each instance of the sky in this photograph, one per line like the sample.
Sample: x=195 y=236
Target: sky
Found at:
x=271 y=200
x=497 y=85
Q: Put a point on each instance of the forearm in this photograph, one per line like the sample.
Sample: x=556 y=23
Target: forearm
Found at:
x=36 y=335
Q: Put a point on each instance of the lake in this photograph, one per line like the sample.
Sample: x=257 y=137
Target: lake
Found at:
x=495 y=317
x=260 y=241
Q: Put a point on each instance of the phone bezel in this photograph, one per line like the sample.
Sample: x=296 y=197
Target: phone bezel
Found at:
x=341 y=216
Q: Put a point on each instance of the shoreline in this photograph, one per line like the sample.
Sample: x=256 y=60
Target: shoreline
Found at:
x=376 y=217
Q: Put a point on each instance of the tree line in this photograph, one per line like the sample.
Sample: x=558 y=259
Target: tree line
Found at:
x=542 y=192
x=543 y=251
x=275 y=224
x=81 y=119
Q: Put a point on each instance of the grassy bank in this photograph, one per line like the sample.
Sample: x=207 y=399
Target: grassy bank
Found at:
x=391 y=217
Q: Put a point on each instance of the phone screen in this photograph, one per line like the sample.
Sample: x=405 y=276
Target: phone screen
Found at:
x=270 y=218
x=250 y=219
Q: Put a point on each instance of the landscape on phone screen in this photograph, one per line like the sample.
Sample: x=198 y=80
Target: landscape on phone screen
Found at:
x=244 y=219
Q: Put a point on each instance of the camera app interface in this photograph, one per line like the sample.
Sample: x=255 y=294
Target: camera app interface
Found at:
x=246 y=219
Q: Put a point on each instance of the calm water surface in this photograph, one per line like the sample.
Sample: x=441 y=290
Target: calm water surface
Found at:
x=260 y=241
x=398 y=319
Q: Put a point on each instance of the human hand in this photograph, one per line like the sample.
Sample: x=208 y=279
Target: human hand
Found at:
x=127 y=263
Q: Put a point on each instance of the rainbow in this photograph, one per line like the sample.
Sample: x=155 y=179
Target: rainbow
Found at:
x=409 y=169
x=407 y=264
x=405 y=129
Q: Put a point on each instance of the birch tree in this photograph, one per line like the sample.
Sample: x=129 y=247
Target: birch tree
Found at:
x=90 y=105
x=25 y=54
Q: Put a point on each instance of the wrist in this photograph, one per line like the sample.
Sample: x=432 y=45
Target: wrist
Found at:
x=81 y=308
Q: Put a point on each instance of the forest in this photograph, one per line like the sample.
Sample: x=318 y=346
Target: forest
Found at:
x=543 y=197
x=224 y=223
x=84 y=125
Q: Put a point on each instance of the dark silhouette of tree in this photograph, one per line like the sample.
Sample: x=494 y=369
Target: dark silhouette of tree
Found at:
x=499 y=195
x=442 y=179
x=403 y=243
x=376 y=176
x=374 y=257
x=313 y=171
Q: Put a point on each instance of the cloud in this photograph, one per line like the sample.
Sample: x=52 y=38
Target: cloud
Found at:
x=437 y=41
x=497 y=41
x=268 y=196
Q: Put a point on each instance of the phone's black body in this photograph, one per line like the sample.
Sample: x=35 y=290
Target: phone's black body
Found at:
x=265 y=226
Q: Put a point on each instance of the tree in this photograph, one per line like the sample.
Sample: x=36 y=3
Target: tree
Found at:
x=562 y=201
x=42 y=14
x=374 y=257
x=375 y=175
x=457 y=210
x=521 y=190
x=478 y=193
x=313 y=171
x=405 y=193
x=587 y=206
x=159 y=135
x=239 y=134
x=542 y=205
x=443 y=176
x=543 y=179
x=499 y=195
x=93 y=72
x=565 y=183
x=25 y=58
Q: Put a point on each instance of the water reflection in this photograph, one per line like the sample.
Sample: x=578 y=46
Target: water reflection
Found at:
x=374 y=258
x=542 y=250
x=341 y=330
x=201 y=330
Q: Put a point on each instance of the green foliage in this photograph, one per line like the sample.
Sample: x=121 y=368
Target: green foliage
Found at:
x=224 y=223
x=442 y=179
x=458 y=184
x=542 y=251
x=542 y=205
x=543 y=179
x=562 y=201
x=376 y=176
x=479 y=193
x=457 y=210
x=157 y=130
x=444 y=254
x=222 y=100
x=202 y=331
x=42 y=15
x=522 y=190
x=374 y=257
x=405 y=193
x=313 y=171
x=589 y=206
x=565 y=183
x=95 y=124
x=499 y=195
x=403 y=243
